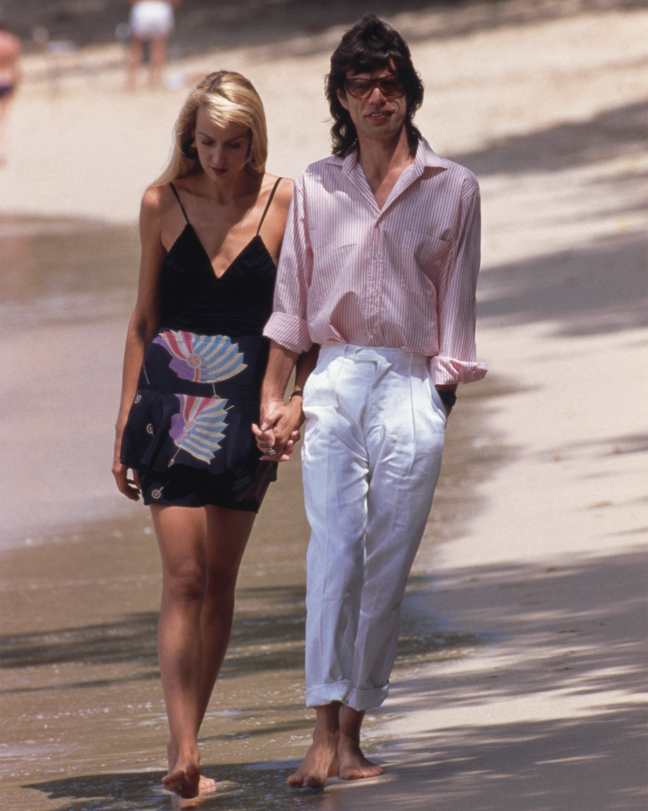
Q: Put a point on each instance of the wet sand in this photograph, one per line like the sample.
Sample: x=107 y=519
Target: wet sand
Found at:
x=521 y=671
x=80 y=688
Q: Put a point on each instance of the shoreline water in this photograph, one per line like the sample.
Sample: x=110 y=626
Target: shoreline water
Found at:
x=79 y=617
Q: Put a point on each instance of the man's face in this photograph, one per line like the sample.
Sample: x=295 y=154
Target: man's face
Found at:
x=377 y=110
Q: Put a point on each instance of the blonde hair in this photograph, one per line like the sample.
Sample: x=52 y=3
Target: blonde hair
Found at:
x=227 y=98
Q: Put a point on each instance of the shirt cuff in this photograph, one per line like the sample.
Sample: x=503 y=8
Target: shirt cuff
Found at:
x=449 y=371
x=289 y=331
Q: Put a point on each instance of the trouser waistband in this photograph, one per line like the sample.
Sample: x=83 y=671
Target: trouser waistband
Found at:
x=388 y=353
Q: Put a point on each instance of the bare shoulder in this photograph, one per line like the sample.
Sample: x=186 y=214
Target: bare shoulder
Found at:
x=157 y=203
x=275 y=222
x=157 y=198
x=284 y=192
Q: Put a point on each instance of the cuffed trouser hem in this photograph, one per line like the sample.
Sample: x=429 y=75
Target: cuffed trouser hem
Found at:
x=342 y=691
x=322 y=694
x=362 y=700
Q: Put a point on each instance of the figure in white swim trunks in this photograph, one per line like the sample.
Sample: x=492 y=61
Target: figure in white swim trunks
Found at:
x=150 y=21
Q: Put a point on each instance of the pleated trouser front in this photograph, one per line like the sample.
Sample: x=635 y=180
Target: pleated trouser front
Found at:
x=371 y=458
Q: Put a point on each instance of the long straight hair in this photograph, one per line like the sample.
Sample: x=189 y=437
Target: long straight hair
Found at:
x=227 y=98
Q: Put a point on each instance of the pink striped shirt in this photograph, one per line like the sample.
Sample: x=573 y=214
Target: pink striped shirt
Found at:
x=401 y=276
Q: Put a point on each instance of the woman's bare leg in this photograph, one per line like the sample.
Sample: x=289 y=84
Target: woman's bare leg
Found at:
x=181 y=534
x=228 y=532
x=201 y=553
x=158 y=58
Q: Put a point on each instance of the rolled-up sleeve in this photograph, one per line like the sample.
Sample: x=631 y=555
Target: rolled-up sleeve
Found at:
x=456 y=361
x=288 y=325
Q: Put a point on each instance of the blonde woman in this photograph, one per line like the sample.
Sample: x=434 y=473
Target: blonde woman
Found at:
x=211 y=228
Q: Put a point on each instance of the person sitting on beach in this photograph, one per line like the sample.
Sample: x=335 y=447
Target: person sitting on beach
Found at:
x=379 y=266
x=150 y=21
x=10 y=51
x=211 y=227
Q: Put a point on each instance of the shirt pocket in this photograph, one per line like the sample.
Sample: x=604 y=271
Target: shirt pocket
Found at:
x=423 y=258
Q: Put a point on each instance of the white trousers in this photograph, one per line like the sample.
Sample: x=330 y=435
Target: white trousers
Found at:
x=373 y=443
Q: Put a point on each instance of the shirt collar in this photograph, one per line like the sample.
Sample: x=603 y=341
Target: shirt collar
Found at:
x=425 y=157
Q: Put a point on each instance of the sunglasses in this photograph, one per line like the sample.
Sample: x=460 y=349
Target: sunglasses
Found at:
x=390 y=86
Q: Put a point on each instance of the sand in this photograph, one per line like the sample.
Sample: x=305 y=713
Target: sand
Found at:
x=531 y=693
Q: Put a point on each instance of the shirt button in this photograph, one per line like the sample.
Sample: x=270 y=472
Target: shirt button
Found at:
x=376 y=256
x=374 y=293
x=149 y=428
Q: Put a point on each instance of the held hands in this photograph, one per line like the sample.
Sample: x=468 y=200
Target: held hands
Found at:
x=279 y=429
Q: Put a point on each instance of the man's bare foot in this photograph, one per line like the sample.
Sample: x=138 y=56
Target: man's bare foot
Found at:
x=321 y=761
x=353 y=764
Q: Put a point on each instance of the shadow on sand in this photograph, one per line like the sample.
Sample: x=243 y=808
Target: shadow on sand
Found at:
x=620 y=131
x=597 y=289
x=536 y=756
x=511 y=763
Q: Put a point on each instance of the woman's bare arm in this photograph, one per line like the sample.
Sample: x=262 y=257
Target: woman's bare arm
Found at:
x=143 y=324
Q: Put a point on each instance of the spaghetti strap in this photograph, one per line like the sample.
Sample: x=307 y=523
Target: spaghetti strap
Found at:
x=265 y=210
x=177 y=197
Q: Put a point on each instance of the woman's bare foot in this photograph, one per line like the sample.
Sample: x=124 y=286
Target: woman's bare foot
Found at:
x=206 y=785
x=353 y=765
x=321 y=762
x=183 y=780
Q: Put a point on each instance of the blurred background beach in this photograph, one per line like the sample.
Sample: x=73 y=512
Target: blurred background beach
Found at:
x=522 y=664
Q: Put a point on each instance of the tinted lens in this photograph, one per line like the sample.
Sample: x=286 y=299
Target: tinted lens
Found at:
x=362 y=88
x=391 y=87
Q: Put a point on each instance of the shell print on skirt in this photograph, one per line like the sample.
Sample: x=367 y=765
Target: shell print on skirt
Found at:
x=199 y=426
x=201 y=358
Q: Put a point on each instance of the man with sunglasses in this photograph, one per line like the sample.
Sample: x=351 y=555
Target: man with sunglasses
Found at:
x=379 y=266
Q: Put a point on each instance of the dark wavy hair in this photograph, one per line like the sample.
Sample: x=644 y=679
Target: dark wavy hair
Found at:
x=370 y=45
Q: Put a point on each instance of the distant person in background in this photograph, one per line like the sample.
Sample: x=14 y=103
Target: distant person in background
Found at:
x=10 y=51
x=150 y=21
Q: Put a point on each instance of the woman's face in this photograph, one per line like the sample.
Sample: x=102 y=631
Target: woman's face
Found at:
x=222 y=152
